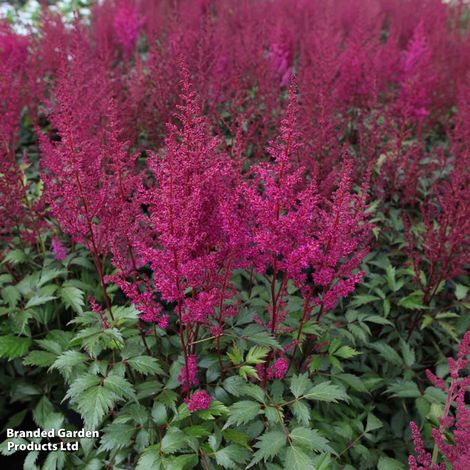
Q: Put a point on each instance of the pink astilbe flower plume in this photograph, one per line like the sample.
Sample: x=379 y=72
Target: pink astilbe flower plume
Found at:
x=18 y=214
x=456 y=453
x=127 y=25
x=58 y=249
x=188 y=238
x=84 y=166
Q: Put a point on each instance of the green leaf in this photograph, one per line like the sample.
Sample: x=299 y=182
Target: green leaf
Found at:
x=232 y=456
x=377 y=319
x=407 y=353
x=242 y=412
x=326 y=391
x=39 y=359
x=73 y=298
x=55 y=460
x=299 y=384
x=256 y=355
x=67 y=361
x=181 y=462
x=387 y=463
x=120 y=386
x=80 y=384
x=235 y=355
x=390 y=273
x=45 y=416
x=173 y=441
x=159 y=413
x=14 y=346
x=301 y=411
x=116 y=436
x=150 y=459
x=95 y=403
x=256 y=334
x=363 y=299
x=461 y=291
x=297 y=459
x=346 y=352
x=373 y=423
x=413 y=301
x=15 y=257
x=404 y=389
x=388 y=353
x=268 y=445
x=145 y=365
x=248 y=372
x=11 y=295
x=235 y=436
x=309 y=439
x=49 y=275
x=39 y=300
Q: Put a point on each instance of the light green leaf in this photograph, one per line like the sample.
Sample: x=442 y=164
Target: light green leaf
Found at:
x=373 y=423
x=73 y=298
x=299 y=384
x=150 y=459
x=242 y=412
x=297 y=459
x=14 y=346
x=256 y=354
x=145 y=365
x=39 y=359
x=387 y=463
x=268 y=445
x=326 y=391
x=232 y=456
x=309 y=439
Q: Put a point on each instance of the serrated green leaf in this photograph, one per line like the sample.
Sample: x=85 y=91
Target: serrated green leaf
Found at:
x=145 y=365
x=14 y=346
x=309 y=439
x=301 y=411
x=95 y=403
x=11 y=295
x=346 y=352
x=66 y=362
x=461 y=291
x=387 y=352
x=256 y=355
x=387 y=463
x=297 y=459
x=73 y=298
x=150 y=459
x=412 y=302
x=242 y=412
x=39 y=359
x=404 y=389
x=232 y=456
x=268 y=445
x=116 y=436
x=299 y=384
x=326 y=391
x=159 y=413
x=373 y=423
x=173 y=441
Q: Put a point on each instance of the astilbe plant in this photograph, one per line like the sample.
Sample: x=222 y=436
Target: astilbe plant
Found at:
x=18 y=213
x=455 y=426
x=439 y=249
x=316 y=241
x=186 y=244
x=83 y=165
